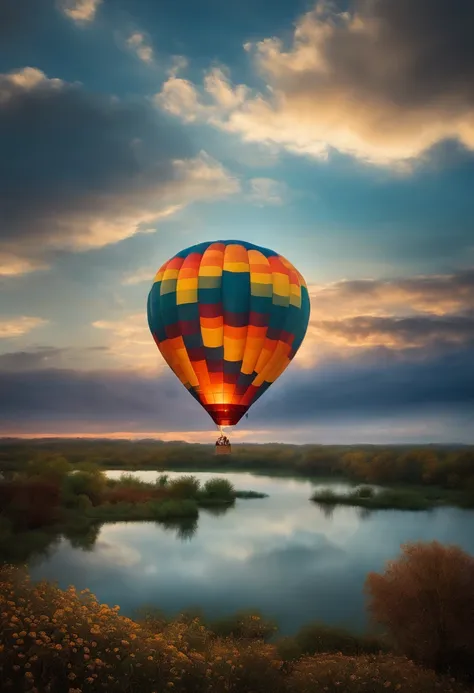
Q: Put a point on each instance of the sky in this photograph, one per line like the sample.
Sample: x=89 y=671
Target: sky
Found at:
x=340 y=134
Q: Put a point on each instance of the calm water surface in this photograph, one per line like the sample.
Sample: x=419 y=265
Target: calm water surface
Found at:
x=283 y=555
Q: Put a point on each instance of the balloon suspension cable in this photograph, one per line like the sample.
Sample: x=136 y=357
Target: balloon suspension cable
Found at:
x=221 y=432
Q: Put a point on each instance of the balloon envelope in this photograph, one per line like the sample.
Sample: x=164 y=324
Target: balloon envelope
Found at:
x=228 y=317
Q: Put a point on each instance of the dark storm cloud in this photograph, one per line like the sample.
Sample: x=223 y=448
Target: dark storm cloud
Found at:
x=110 y=398
x=378 y=385
x=422 y=52
x=45 y=357
x=398 y=332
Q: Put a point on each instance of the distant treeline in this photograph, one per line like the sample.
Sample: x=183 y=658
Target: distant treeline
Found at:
x=450 y=467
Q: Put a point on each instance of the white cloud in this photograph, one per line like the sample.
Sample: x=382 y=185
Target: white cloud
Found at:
x=142 y=274
x=266 y=191
x=80 y=10
x=140 y=45
x=18 y=326
x=133 y=171
x=414 y=312
x=347 y=81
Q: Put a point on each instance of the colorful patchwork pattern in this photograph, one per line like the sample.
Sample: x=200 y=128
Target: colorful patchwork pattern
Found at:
x=228 y=317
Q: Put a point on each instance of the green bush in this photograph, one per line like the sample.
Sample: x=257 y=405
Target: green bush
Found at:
x=250 y=494
x=219 y=489
x=365 y=492
x=84 y=483
x=186 y=487
x=326 y=495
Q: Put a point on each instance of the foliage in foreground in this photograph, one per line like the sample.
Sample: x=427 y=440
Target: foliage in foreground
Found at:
x=425 y=599
x=55 y=641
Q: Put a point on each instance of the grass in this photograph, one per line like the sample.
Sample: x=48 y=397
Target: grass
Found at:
x=387 y=499
x=63 y=641
x=250 y=494
x=164 y=510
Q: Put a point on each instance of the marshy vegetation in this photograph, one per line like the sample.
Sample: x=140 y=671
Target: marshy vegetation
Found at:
x=49 y=498
x=56 y=640
x=383 y=499
x=443 y=473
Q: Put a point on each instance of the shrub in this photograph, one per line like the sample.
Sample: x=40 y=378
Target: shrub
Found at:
x=30 y=503
x=425 y=599
x=184 y=487
x=365 y=492
x=162 y=480
x=219 y=489
x=319 y=637
x=51 y=467
x=326 y=495
x=337 y=673
x=86 y=483
x=247 y=625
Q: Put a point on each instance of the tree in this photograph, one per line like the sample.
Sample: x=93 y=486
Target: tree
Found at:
x=84 y=483
x=425 y=599
x=51 y=467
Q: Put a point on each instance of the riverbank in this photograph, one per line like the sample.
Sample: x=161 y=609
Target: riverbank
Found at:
x=446 y=471
x=50 y=500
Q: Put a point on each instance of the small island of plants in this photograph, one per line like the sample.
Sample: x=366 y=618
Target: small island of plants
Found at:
x=48 y=496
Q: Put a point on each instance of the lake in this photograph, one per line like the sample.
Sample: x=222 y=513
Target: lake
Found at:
x=283 y=555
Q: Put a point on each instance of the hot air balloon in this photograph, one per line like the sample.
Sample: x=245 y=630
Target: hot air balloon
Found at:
x=228 y=318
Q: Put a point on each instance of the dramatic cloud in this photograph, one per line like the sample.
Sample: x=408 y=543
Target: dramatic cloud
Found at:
x=336 y=391
x=18 y=326
x=81 y=11
x=380 y=385
x=397 y=333
x=384 y=81
x=138 y=43
x=423 y=311
x=437 y=294
x=51 y=357
x=80 y=171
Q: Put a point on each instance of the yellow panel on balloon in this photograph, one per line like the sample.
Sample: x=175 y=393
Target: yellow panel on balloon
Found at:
x=212 y=337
